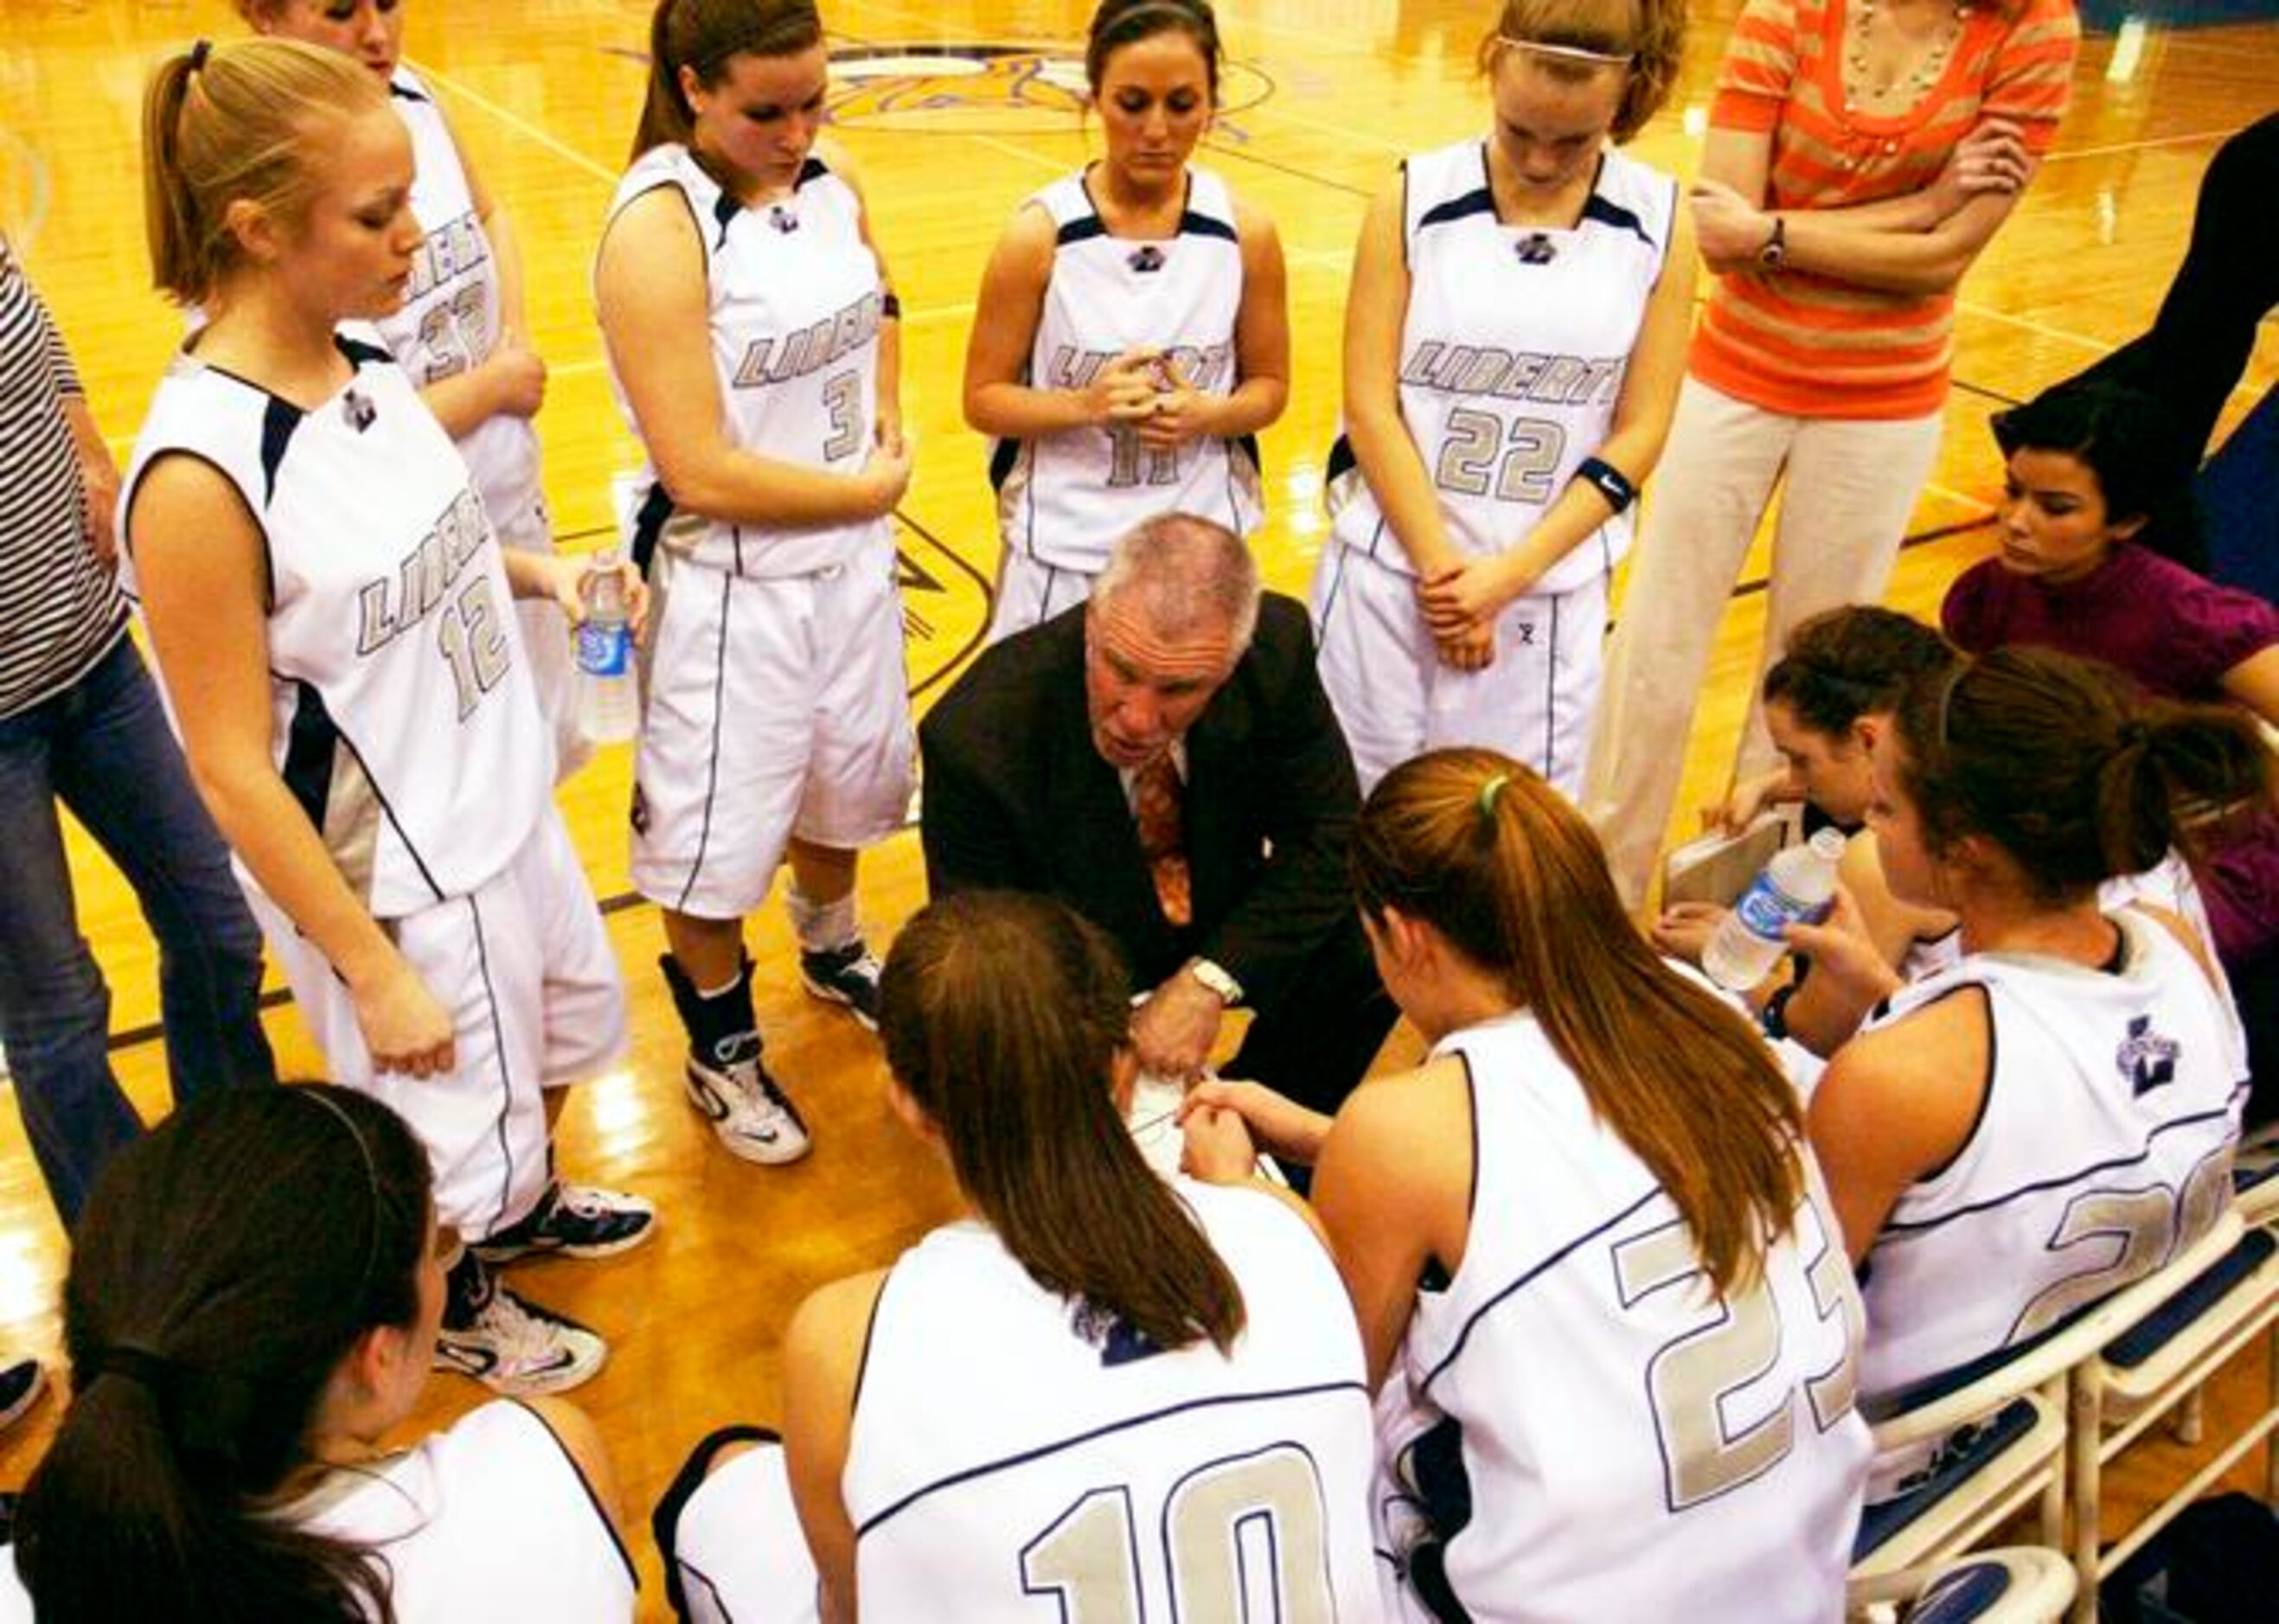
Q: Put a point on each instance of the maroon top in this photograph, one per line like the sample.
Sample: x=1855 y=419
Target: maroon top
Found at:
x=2178 y=634
x=2173 y=631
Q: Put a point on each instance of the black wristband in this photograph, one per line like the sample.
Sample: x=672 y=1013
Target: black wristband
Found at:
x=1773 y=1016
x=890 y=308
x=1610 y=481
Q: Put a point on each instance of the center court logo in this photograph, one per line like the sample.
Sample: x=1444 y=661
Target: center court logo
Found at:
x=983 y=88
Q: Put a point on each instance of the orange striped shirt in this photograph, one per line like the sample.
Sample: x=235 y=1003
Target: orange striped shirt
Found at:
x=1811 y=346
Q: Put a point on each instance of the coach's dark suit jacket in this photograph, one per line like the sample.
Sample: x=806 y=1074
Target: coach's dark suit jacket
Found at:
x=1017 y=797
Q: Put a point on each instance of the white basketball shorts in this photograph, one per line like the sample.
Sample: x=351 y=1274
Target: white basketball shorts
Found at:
x=524 y=966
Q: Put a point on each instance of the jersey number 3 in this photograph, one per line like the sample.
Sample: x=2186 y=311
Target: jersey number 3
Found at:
x=1245 y=1540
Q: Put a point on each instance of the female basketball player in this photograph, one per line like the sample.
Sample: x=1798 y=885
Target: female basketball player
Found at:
x=754 y=342
x=1826 y=701
x=2075 y=1060
x=252 y=1309
x=460 y=331
x=1599 y=1157
x=1515 y=338
x=1131 y=333
x=330 y=613
x=1144 y=1398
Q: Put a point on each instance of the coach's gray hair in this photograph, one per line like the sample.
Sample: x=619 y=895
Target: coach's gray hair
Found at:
x=1185 y=573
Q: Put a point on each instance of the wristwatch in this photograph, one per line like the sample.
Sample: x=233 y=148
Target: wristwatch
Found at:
x=1214 y=979
x=1774 y=254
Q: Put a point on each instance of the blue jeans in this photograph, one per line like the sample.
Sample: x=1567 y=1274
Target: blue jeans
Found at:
x=104 y=747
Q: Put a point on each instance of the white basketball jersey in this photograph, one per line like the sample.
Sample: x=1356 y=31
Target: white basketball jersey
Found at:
x=1513 y=353
x=795 y=301
x=1014 y=1457
x=1066 y=499
x=1634 y=1448
x=489 y=1519
x=2104 y=1145
x=403 y=719
x=450 y=319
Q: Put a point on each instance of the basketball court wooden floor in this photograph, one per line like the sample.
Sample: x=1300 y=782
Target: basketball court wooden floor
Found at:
x=957 y=111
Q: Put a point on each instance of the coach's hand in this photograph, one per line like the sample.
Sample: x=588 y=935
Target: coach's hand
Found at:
x=404 y=1028
x=1173 y=1031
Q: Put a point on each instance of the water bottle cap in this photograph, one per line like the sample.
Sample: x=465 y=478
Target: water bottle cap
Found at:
x=1827 y=843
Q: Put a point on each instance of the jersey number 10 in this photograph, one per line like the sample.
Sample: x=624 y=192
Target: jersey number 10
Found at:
x=1250 y=1530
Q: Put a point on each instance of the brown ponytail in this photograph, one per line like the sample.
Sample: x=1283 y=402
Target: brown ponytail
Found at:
x=1002 y=1015
x=2070 y=770
x=702 y=35
x=1497 y=861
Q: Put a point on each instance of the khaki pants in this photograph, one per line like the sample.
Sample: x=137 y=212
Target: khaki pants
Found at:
x=1849 y=488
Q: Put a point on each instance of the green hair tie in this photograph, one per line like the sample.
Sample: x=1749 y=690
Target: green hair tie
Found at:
x=1489 y=791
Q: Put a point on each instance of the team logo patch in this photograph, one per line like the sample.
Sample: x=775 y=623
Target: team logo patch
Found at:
x=2147 y=1061
x=987 y=87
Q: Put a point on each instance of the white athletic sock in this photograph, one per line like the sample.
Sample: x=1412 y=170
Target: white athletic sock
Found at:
x=822 y=927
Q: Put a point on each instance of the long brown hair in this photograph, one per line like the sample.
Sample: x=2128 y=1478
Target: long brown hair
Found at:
x=1002 y=1015
x=242 y=120
x=1497 y=861
x=702 y=35
x=226 y=1264
x=2075 y=774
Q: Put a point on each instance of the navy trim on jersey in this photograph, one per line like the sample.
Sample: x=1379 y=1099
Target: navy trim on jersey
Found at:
x=725 y=208
x=592 y=1499
x=311 y=741
x=1193 y=225
x=1986 y=1087
x=648 y=525
x=664 y=1520
x=279 y=419
x=989 y=1468
x=1481 y=202
x=427 y=874
x=498 y=1040
x=712 y=753
x=1342 y=459
x=870 y=1334
x=813 y=169
x=1606 y=213
x=359 y=353
x=2196 y=1119
x=1004 y=456
x=1080 y=231
x=1529 y=1278
x=402 y=94
x=1472 y=1106
x=1551 y=688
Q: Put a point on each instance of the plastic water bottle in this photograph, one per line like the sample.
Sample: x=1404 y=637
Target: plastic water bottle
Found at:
x=607 y=706
x=1796 y=887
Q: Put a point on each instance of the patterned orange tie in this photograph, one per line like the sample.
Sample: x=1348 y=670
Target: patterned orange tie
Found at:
x=1157 y=794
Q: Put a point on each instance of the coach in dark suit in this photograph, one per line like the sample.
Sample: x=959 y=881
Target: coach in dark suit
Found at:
x=1049 y=764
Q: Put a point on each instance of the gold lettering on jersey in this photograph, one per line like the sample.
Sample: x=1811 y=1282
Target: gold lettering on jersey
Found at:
x=390 y=605
x=1481 y=369
x=451 y=249
x=1208 y=368
x=772 y=361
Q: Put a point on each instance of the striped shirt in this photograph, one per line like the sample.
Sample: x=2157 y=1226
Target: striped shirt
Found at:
x=1812 y=346
x=60 y=609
